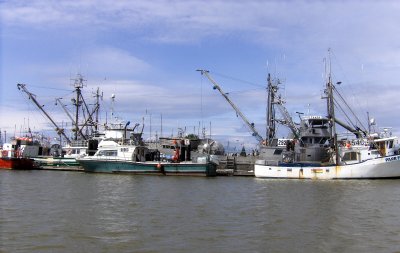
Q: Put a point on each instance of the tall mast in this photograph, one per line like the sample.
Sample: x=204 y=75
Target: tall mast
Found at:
x=78 y=85
x=98 y=96
x=330 y=101
x=270 y=129
x=90 y=117
x=275 y=101
x=331 y=109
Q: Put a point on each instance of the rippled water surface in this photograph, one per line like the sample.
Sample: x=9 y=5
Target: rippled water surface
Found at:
x=52 y=211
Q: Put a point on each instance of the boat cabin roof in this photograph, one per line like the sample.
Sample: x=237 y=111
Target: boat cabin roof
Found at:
x=385 y=139
x=314 y=121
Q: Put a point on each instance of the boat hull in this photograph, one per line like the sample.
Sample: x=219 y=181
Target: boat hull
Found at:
x=46 y=162
x=153 y=168
x=380 y=168
x=13 y=163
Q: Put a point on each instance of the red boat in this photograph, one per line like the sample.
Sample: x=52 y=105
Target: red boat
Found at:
x=13 y=160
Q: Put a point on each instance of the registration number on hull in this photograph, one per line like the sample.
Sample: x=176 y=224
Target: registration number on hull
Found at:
x=393 y=158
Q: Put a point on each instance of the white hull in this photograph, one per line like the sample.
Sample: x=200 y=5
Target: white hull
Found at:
x=386 y=167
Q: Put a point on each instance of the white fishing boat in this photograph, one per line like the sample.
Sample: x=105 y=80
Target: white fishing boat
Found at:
x=319 y=152
x=125 y=152
x=373 y=158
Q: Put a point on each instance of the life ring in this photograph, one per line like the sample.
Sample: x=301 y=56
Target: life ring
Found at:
x=348 y=145
x=69 y=151
x=4 y=153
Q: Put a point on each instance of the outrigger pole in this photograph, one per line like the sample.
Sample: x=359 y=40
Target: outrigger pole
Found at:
x=60 y=131
x=249 y=125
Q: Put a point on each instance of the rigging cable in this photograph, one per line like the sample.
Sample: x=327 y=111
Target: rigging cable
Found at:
x=355 y=116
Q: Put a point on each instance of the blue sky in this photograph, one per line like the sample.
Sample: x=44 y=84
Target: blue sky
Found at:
x=146 y=53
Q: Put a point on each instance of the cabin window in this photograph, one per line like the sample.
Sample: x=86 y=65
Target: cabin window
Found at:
x=112 y=153
x=107 y=153
x=350 y=156
x=278 y=151
x=390 y=144
x=318 y=123
x=317 y=140
x=322 y=141
x=168 y=147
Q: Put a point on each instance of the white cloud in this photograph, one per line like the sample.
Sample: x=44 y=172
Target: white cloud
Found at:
x=112 y=61
x=94 y=64
x=303 y=27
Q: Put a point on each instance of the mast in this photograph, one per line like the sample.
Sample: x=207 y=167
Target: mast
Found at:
x=331 y=109
x=78 y=84
x=330 y=103
x=98 y=96
x=90 y=116
x=278 y=101
x=78 y=101
x=270 y=129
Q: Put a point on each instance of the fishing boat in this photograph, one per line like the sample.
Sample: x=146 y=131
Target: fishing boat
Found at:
x=85 y=128
x=124 y=152
x=62 y=156
x=313 y=157
x=318 y=151
x=11 y=157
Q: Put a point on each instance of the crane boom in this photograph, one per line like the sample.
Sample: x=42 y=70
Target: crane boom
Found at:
x=60 y=131
x=288 y=119
x=248 y=124
x=58 y=101
x=275 y=100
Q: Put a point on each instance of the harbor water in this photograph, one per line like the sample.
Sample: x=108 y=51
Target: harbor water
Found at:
x=62 y=211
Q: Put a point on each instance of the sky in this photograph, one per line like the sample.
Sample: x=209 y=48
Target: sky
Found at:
x=146 y=53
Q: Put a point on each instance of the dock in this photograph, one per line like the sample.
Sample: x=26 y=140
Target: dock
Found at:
x=236 y=166
x=228 y=166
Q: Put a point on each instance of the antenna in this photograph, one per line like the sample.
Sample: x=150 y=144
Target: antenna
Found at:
x=161 y=134
x=150 y=127
x=112 y=104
